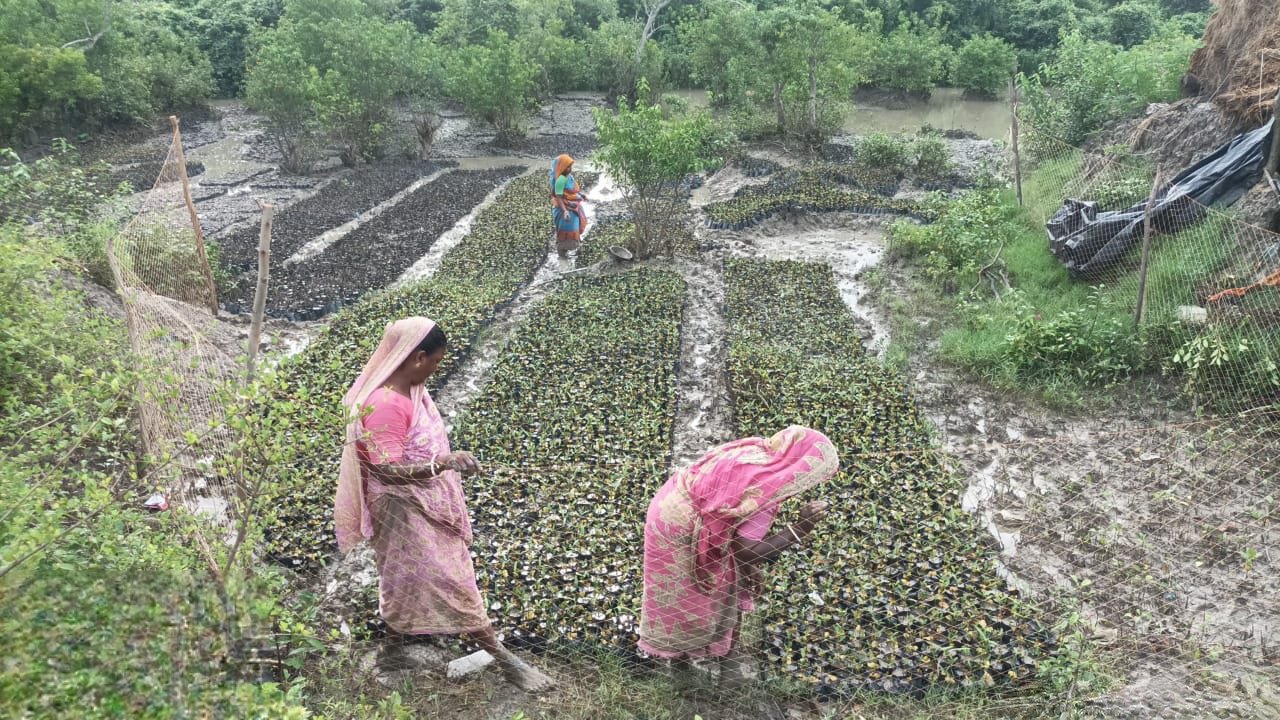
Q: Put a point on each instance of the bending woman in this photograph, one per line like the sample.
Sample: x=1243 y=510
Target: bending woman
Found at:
x=566 y=213
x=400 y=487
x=707 y=535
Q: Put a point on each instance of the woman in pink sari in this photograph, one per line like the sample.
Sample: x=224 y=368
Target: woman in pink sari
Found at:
x=707 y=535
x=400 y=487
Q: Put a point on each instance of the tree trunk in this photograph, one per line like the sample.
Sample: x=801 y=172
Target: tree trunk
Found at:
x=778 y=107
x=813 y=96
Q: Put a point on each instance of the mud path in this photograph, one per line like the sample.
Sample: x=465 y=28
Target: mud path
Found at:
x=704 y=411
x=476 y=370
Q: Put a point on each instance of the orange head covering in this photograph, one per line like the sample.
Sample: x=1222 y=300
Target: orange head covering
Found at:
x=563 y=163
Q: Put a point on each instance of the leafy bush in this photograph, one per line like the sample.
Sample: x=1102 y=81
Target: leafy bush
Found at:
x=68 y=66
x=109 y=612
x=931 y=155
x=983 y=66
x=282 y=85
x=891 y=153
x=1034 y=28
x=964 y=238
x=42 y=88
x=611 y=54
x=496 y=83
x=1132 y=22
x=1228 y=368
x=1092 y=83
x=913 y=58
x=1093 y=343
x=649 y=154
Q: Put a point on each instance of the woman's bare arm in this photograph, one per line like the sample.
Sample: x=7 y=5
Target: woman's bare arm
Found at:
x=759 y=552
x=400 y=474
x=404 y=473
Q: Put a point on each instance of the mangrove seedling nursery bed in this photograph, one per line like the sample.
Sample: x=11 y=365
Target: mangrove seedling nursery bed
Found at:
x=373 y=255
x=335 y=204
x=804 y=191
x=899 y=590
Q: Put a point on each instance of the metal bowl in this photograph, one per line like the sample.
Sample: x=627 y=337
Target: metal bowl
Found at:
x=620 y=252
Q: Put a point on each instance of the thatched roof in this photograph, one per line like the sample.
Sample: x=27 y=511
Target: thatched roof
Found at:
x=1239 y=65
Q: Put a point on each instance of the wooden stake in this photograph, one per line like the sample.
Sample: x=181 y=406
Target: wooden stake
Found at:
x=1013 y=125
x=1146 y=251
x=260 y=294
x=195 y=219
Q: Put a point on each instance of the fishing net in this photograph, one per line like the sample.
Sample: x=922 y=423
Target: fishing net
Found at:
x=162 y=273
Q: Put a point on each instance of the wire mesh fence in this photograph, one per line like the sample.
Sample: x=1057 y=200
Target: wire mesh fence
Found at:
x=162 y=273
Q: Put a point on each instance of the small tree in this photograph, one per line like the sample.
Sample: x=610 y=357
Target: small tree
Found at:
x=496 y=83
x=649 y=154
x=983 y=66
x=282 y=86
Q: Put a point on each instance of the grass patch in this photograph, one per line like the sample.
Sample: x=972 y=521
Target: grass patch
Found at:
x=1021 y=322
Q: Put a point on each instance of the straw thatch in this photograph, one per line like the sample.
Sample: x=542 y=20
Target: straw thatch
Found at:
x=1239 y=65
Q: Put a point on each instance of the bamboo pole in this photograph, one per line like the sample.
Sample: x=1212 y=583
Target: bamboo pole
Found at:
x=1146 y=251
x=195 y=219
x=260 y=294
x=1273 y=160
x=1013 y=127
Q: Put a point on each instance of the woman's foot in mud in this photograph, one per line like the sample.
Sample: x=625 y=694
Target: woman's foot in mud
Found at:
x=525 y=676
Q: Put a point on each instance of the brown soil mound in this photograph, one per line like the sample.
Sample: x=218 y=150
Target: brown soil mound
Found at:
x=1239 y=65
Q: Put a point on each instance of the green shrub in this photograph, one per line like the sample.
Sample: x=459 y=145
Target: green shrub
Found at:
x=1228 y=367
x=883 y=151
x=1092 y=83
x=962 y=240
x=983 y=66
x=913 y=58
x=1093 y=344
x=931 y=155
x=1132 y=22
x=496 y=83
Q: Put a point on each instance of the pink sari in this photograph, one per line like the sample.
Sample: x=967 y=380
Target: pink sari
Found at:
x=420 y=533
x=692 y=596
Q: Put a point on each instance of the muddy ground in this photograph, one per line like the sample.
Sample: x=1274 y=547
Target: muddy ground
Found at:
x=1073 y=503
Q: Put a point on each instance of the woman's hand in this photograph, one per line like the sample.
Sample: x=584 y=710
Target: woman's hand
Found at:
x=810 y=515
x=461 y=461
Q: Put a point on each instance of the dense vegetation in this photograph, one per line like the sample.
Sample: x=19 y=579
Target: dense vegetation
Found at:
x=335 y=71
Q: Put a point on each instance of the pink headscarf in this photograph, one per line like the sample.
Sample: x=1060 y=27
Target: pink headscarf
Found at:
x=350 y=519
x=734 y=481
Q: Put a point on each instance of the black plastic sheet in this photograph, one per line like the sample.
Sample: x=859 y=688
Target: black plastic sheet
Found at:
x=1089 y=243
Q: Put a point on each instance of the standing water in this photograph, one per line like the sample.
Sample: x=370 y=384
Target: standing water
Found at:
x=946 y=109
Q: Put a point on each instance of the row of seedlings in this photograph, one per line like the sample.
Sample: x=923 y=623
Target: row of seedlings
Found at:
x=337 y=203
x=302 y=428
x=373 y=255
x=898 y=589
x=804 y=192
x=575 y=431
